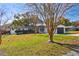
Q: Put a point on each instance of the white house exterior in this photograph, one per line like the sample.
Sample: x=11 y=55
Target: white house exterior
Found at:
x=68 y=28
x=59 y=28
x=12 y=31
x=42 y=28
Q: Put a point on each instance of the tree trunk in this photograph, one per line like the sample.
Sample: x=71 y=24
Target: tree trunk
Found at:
x=50 y=39
x=50 y=29
x=51 y=35
x=0 y=37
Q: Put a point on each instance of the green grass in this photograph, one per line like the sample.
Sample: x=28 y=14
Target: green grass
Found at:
x=34 y=44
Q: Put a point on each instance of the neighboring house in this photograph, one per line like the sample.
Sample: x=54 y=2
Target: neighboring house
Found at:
x=69 y=28
x=6 y=29
x=63 y=29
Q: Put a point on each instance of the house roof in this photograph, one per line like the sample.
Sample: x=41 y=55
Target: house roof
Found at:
x=40 y=24
x=69 y=27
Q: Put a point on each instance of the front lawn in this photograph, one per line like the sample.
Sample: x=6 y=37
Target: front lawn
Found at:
x=34 y=44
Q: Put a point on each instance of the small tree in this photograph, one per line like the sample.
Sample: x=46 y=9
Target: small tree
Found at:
x=51 y=13
x=2 y=21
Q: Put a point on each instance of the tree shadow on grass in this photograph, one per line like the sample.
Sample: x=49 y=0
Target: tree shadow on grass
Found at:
x=74 y=47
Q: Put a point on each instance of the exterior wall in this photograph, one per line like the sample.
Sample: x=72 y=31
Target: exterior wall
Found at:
x=56 y=31
x=45 y=30
x=42 y=29
x=69 y=28
x=12 y=31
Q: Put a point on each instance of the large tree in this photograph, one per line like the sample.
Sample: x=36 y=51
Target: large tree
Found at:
x=20 y=20
x=26 y=19
x=51 y=13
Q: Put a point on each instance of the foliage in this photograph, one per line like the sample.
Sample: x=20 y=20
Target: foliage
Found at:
x=65 y=22
x=20 y=22
x=26 y=20
x=76 y=23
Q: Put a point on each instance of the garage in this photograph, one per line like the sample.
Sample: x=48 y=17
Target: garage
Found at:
x=61 y=29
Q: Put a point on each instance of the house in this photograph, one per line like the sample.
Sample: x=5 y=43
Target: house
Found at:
x=41 y=29
x=61 y=29
x=69 y=28
x=40 y=26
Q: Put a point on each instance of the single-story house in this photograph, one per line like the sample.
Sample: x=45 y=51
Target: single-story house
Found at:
x=68 y=28
x=29 y=29
x=41 y=29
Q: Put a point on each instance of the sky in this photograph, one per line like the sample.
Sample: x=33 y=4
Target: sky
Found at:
x=14 y=8
x=73 y=13
x=11 y=9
